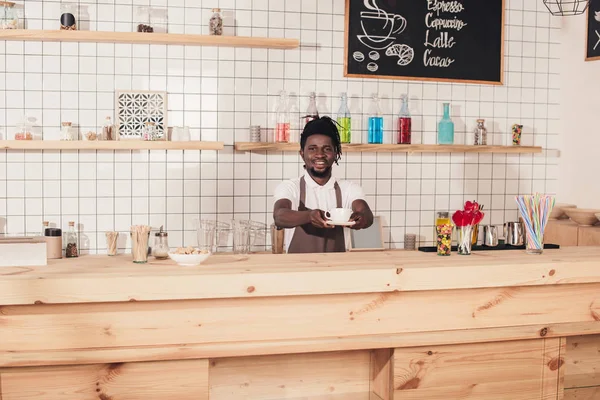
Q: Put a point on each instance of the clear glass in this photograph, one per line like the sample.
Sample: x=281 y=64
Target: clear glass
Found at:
x=180 y=134
x=71 y=240
x=215 y=24
x=149 y=132
x=139 y=247
x=143 y=20
x=282 y=127
x=444 y=239
x=375 y=129
x=205 y=230
x=480 y=134
x=68 y=16
x=111 y=242
x=241 y=236
x=446 y=127
x=160 y=250
x=344 y=119
x=465 y=234
x=534 y=243
x=67 y=132
x=404 y=123
x=10 y=19
x=311 y=111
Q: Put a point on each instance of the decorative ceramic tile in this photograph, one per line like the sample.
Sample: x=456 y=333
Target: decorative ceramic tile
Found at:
x=135 y=108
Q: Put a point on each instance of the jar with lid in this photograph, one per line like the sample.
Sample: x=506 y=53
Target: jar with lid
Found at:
x=10 y=19
x=480 y=138
x=143 y=20
x=215 y=25
x=149 y=131
x=23 y=130
x=66 y=132
x=68 y=21
x=160 y=250
x=71 y=239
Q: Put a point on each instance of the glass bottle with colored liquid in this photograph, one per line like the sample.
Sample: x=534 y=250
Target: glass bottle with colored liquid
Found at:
x=282 y=126
x=443 y=230
x=344 y=119
x=311 y=111
x=446 y=127
x=375 y=122
x=404 y=122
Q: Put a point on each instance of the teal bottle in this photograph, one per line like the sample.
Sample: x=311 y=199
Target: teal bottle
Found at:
x=446 y=127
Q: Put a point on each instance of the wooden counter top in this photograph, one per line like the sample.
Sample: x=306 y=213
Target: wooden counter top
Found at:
x=115 y=279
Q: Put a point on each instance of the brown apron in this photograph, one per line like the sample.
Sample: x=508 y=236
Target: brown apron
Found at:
x=310 y=239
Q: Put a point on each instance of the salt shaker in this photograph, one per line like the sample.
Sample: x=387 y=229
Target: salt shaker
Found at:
x=480 y=133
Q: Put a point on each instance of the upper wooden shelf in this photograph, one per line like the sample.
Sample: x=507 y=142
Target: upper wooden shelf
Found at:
x=107 y=145
x=147 y=38
x=396 y=148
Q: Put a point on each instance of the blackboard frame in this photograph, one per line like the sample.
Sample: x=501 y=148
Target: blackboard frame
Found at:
x=378 y=226
x=587 y=34
x=416 y=78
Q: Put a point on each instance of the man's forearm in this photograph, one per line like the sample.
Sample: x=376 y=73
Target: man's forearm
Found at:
x=286 y=218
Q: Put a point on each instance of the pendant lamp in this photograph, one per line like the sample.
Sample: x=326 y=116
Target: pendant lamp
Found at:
x=566 y=7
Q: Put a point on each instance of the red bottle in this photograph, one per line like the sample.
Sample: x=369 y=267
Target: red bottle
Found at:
x=404 y=123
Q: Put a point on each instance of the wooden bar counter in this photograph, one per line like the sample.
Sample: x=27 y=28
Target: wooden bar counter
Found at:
x=497 y=325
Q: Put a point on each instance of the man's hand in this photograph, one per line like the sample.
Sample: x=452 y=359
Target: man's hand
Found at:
x=360 y=219
x=317 y=218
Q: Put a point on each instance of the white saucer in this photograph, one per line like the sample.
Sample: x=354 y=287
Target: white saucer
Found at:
x=347 y=223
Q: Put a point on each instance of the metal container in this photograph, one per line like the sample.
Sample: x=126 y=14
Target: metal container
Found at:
x=490 y=235
x=514 y=233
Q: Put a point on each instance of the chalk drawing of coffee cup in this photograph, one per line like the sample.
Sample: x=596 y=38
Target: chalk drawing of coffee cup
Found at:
x=380 y=23
x=597 y=17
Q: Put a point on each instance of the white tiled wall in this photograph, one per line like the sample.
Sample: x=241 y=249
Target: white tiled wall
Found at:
x=219 y=92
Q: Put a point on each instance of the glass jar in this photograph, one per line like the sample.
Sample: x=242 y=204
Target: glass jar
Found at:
x=9 y=20
x=443 y=231
x=23 y=130
x=480 y=138
x=68 y=21
x=143 y=20
x=215 y=25
x=149 y=131
x=71 y=239
x=160 y=249
x=66 y=132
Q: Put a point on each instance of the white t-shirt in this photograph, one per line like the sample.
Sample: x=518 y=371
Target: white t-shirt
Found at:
x=317 y=197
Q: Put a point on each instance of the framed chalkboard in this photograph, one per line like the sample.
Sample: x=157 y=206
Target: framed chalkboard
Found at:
x=369 y=239
x=438 y=40
x=593 y=31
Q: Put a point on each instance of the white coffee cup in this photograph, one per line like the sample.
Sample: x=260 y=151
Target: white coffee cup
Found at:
x=339 y=215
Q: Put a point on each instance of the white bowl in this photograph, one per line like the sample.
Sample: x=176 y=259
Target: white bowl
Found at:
x=189 y=260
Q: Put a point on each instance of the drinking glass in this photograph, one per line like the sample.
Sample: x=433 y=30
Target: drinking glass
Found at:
x=206 y=234
x=241 y=236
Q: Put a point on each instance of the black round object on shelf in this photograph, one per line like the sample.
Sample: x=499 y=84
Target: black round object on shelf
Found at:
x=67 y=20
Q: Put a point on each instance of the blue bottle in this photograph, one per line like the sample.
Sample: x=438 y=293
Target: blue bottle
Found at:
x=375 y=123
x=446 y=127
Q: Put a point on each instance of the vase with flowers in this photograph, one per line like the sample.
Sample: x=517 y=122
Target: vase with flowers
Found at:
x=465 y=220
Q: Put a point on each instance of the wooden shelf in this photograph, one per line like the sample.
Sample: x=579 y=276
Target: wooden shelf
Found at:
x=396 y=148
x=107 y=145
x=147 y=38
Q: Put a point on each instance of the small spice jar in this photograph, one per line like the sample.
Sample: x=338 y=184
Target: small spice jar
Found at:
x=66 y=132
x=149 y=131
x=143 y=20
x=160 y=250
x=71 y=239
x=480 y=138
x=8 y=14
x=215 y=25
x=67 y=16
x=23 y=130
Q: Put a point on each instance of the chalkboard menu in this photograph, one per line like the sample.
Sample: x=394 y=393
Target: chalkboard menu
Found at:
x=441 y=40
x=593 y=31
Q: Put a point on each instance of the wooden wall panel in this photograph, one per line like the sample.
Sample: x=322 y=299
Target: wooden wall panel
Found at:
x=582 y=362
x=167 y=380
x=520 y=370
x=382 y=373
x=561 y=232
x=293 y=376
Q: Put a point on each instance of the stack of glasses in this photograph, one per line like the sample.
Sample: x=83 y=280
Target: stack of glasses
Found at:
x=410 y=241
x=255 y=133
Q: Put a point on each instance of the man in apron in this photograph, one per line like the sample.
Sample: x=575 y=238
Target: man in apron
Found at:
x=301 y=203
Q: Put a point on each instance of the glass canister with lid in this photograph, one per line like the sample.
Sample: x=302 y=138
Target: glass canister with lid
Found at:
x=10 y=19
x=215 y=25
x=23 y=131
x=66 y=132
x=160 y=250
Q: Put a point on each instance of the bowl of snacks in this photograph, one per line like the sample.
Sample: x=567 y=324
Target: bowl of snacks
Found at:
x=189 y=256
